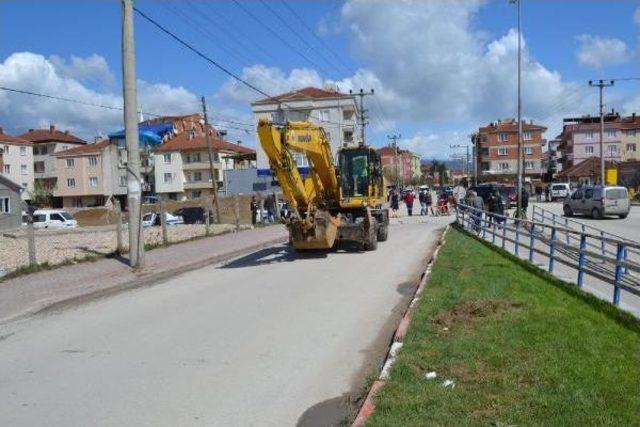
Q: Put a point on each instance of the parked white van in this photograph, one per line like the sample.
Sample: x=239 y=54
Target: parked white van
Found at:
x=560 y=190
x=53 y=218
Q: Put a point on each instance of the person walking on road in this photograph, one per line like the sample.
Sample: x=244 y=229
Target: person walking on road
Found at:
x=423 y=197
x=496 y=207
x=254 y=210
x=408 y=201
x=394 y=202
x=269 y=206
x=478 y=207
x=524 y=201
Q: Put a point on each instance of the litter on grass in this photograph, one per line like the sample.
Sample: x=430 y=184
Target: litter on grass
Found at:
x=448 y=383
x=430 y=375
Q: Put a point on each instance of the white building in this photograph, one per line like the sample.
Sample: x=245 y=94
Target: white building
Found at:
x=337 y=113
x=16 y=162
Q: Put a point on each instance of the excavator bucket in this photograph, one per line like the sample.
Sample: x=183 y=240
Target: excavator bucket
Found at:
x=317 y=232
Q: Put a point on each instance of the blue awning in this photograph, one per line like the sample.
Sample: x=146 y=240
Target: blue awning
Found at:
x=149 y=134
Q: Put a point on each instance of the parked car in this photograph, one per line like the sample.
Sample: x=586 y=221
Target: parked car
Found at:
x=150 y=219
x=509 y=195
x=53 y=218
x=560 y=190
x=192 y=214
x=598 y=201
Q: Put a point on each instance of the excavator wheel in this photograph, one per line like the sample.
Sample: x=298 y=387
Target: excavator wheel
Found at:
x=383 y=233
x=371 y=244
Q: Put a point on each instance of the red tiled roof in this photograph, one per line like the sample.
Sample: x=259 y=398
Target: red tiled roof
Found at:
x=10 y=139
x=51 y=134
x=587 y=167
x=304 y=93
x=510 y=126
x=84 y=150
x=183 y=142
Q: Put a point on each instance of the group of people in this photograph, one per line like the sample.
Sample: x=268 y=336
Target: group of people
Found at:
x=270 y=205
x=424 y=198
x=496 y=208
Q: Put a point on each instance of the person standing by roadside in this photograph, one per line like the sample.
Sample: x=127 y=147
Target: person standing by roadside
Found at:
x=496 y=207
x=408 y=201
x=524 y=201
x=254 y=210
x=478 y=209
x=422 y=197
x=547 y=192
x=269 y=202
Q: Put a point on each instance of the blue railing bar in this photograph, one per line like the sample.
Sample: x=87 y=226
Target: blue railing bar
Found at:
x=532 y=242
x=581 y=259
x=618 y=276
x=552 y=250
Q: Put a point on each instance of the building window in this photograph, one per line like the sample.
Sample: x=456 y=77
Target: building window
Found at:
x=528 y=165
x=23 y=151
x=324 y=115
x=71 y=182
x=6 y=149
x=502 y=151
x=197 y=176
x=23 y=169
x=77 y=202
x=70 y=163
x=528 y=150
x=588 y=149
x=167 y=158
x=7 y=169
x=193 y=158
x=123 y=180
x=612 y=149
x=38 y=167
x=196 y=194
x=504 y=166
x=93 y=160
x=347 y=114
x=588 y=135
x=93 y=181
x=5 y=205
x=631 y=132
x=503 y=137
x=527 y=136
x=168 y=178
x=631 y=147
x=611 y=133
x=348 y=136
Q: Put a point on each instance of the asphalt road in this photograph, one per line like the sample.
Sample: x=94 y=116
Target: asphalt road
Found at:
x=272 y=338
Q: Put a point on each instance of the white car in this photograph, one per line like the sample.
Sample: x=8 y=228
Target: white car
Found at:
x=53 y=218
x=560 y=190
x=150 y=219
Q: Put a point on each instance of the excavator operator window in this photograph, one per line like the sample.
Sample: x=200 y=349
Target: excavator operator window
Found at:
x=354 y=173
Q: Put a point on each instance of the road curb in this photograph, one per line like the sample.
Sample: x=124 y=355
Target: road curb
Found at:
x=368 y=406
x=141 y=280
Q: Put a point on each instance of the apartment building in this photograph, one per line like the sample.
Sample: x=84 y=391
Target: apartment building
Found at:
x=47 y=142
x=337 y=113
x=16 y=162
x=630 y=138
x=182 y=164
x=396 y=161
x=497 y=148
x=89 y=175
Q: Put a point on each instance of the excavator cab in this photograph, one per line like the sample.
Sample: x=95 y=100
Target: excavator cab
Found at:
x=360 y=176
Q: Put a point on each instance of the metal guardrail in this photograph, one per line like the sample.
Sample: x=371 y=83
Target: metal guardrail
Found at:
x=545 y=216
x=547 y=240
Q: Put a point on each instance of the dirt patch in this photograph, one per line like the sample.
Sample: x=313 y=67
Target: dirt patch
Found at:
x=472 y=311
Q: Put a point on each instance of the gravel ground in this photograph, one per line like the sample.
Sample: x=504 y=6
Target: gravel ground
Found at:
x=57 y=249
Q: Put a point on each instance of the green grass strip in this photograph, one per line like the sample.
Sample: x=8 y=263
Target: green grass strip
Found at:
x=522 y=348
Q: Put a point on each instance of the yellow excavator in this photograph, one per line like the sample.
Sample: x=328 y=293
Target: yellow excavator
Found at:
x=333 y=203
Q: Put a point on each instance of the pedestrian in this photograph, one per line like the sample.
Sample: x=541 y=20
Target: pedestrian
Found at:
x=422 y=197
x=394 y=202
x=408 y=201
x=269 y=206
x=496 y=207
x=478 y=210
x=254 y=210
x=429 y=200
x=538 y=194
x=547 y=192
x=524 y=203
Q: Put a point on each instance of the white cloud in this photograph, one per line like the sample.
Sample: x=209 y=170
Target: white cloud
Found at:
x=598 y=52
x=636 y=16
x=93 y=68
x=34 y=72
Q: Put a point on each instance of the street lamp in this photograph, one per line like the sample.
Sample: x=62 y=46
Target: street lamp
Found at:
x=520 y=151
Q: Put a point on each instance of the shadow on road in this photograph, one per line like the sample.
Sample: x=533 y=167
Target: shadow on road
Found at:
x=273 y=255
x=111 y=255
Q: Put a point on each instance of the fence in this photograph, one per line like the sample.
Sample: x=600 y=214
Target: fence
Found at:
x=589 y=256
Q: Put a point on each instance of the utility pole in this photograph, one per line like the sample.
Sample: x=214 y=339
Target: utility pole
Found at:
x=395 y=137
x=363 y=112
x=519 y=168
x=601 y=85
x=134 y=184
x=212 y=156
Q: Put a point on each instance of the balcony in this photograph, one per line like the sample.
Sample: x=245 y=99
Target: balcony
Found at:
x=201 y=165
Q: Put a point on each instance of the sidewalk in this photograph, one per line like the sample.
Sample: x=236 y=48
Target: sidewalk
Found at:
x=70 y=284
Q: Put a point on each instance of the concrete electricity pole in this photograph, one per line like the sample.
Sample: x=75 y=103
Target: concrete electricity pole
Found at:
x=213 y=156
x=601 y=85
x=395 y=137
x=134 y=184
x=363 y=112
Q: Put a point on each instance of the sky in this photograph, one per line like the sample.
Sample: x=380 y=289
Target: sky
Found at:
x=440 y=68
